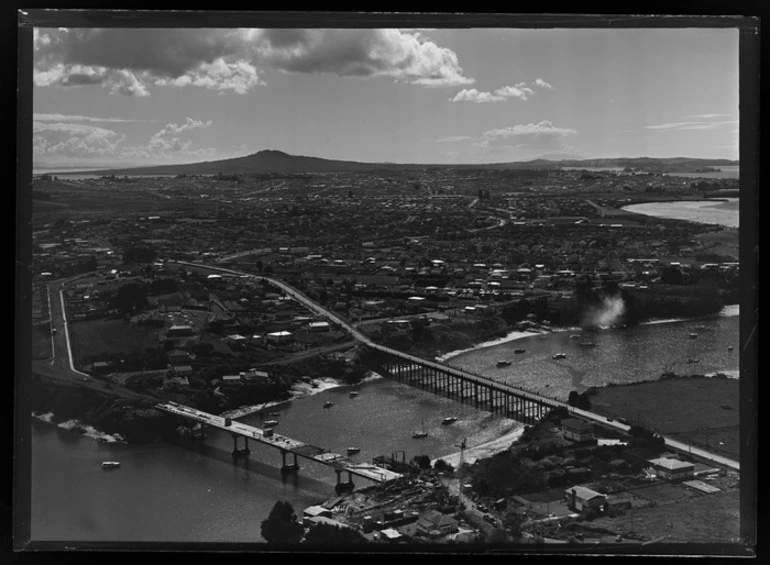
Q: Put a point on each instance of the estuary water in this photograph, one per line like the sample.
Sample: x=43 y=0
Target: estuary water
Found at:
x=185 y=492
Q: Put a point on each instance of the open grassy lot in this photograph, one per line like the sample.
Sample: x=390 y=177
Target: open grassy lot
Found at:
x=96 y=337
x=700 y=410
x=700 y=518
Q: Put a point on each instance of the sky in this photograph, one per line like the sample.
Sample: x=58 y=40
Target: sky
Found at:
x=136 y=97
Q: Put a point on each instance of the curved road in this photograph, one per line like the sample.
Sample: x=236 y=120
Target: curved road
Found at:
x=590 y=416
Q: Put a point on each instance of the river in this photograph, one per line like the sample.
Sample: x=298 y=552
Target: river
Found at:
x=183 y=492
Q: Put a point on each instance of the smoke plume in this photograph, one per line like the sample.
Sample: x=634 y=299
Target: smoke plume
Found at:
x=607 y=313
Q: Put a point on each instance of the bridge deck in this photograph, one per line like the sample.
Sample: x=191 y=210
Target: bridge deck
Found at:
x=284 y=443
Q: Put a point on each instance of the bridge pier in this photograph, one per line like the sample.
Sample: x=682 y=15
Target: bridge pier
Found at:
x=243 y=451
x=343 y=486
x=288 y=468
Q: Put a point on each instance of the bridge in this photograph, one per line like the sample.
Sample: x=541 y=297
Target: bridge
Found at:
x=482 y=392
x=286 y=446
x=479 y=391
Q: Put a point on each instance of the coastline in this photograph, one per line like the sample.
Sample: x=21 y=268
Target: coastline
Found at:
x=299 y=390
x=75 y=425
x=727 y=311
x=483 y=450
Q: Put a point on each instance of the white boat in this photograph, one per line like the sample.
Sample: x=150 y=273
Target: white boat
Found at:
x=503 y=363
x=110 y=464
x=352 y=450
x=353 y=394
x=693 y=335
x=421 y=433
x=449 y=420
x=329 y=404
x=559 y=355
x=271 y=423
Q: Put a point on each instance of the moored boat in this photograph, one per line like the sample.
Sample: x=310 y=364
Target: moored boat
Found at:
x=503 y=363
x=328 y=404
x=559 y=355
x=519 y=351
x=449 y=420
x=110 y=464
x=271 y=423
x=353 y=394
x=419 y=434
x=352 y=450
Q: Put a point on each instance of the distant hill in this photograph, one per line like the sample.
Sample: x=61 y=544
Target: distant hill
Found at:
x=271 y=161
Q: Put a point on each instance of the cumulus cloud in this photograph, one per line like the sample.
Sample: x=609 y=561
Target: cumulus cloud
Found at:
x=536 y=136
x=165 y=139
x=75 y=140
x=127 y=60
x=520 y=90
x=70 y=139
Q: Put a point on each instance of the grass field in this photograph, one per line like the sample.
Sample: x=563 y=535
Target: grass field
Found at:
x=95 y=337
x=700 y=410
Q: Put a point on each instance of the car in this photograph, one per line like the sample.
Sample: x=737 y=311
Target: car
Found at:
x=53 y=331
x=481 y=507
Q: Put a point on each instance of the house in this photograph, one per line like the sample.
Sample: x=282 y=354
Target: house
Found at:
x=672 y=469
x=433 y=523
x=316 y=511
x=231 y=380
x=280 y=337
x=179 y=330
x=182 y=370
x=580 y=499
x=576 y=430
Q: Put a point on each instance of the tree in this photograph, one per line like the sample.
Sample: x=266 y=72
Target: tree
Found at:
x=422 y=461
x=130 y=298
x=281 y=526
x=330 y=535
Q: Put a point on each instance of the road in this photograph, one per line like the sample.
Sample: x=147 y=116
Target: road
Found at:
x=62 y=364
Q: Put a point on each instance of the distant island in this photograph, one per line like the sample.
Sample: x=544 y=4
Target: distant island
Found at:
x=272 y=161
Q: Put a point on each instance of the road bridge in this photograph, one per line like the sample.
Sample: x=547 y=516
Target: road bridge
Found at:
x=483 y=392
x=286 y=445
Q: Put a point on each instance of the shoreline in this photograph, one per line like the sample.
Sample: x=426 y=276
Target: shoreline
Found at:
x=726 y=311
x=483 y=450
x=74 y=425
x=298 y=390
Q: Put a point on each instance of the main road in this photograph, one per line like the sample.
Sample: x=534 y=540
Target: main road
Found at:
x=365 y=340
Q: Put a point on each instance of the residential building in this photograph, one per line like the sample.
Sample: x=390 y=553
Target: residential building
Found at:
x=576 y=430
x=672 y=469
x=581 y=498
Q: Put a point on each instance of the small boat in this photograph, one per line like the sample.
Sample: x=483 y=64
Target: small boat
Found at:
x=587 y=344
x=503 y=363
x=329 y=404
x=274 y=414
x=729 y=348
x=352 y=450
x=693 y=335
x=353 y=394
x=110 y=464
x=421 y=433
x=559 y=355
x=448 y=420
x=575 y=336
x=271 y=423
x=519 y=350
